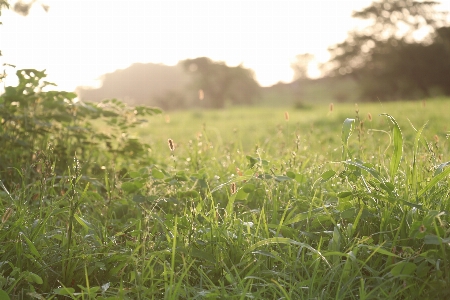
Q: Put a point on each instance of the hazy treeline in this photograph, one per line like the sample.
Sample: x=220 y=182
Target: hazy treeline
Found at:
x=198 y=82
x=404 y=53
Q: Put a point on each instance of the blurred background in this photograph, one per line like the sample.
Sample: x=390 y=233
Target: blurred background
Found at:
x=217 y=54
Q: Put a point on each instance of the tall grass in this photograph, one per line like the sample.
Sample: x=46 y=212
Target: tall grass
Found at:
x=244 y=203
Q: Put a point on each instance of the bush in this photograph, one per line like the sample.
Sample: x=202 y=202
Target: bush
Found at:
x=55 y=124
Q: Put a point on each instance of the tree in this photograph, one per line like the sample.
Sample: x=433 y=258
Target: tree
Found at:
x=221 y=83
x=301 y=65
x=23 y=8
x=387 y=57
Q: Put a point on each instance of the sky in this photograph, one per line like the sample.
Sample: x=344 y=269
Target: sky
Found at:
x=77 y=41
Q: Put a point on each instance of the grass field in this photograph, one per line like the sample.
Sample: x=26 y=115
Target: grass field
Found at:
x=331 y=202
x=318 y=128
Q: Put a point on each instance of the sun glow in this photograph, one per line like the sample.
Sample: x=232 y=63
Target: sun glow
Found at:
x=78 y=41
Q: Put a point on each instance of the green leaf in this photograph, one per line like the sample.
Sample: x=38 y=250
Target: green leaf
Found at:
x=4 y=295
x=344 y=194
x=398 y=147
x=130 y=187
x=203 y=255
x=435 y=240
x=82 y=222
x=157 y=174
x=360 y=165
x=241 y=195
x=248 y=188
x=281 y=178
x=290 y=174
x=403 y=268
x=300 y=178
x=380 y=250
x=139 y=198
x=434 y=181
x=134 y=174
x=327 y=175
x=31 y=246
x=349 y=214
x=34 y=278
x=304 y=215
x=441 y=168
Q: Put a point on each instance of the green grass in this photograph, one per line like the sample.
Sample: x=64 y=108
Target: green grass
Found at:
x=249 y=205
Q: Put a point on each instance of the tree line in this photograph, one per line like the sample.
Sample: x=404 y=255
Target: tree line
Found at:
x=199 y=82
x=403 y=54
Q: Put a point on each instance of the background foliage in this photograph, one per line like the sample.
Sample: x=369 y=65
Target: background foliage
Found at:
x=391 y=58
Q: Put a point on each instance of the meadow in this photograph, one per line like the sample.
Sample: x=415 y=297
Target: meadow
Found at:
x=337 y=201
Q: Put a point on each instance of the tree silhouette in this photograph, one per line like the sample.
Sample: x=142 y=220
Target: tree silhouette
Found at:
x=301 y=64
x=221 y=83
x=391 y=57
x=23 y=8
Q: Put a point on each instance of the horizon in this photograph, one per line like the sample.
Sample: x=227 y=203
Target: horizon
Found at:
x=77 y=44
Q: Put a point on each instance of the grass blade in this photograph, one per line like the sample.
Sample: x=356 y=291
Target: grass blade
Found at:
x=398 y=147
x=279 y=240
x=415 y=151
x=434 y=181
x=347 y=129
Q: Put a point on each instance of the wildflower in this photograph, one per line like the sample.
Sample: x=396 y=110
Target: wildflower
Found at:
x=171 y=145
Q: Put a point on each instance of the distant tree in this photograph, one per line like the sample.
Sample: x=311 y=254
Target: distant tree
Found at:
x=387 y=56
x=149 y=84
x=23 y=8
x=301 y=65
x=221 y=83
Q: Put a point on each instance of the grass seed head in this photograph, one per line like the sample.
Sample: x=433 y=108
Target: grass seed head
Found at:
x=7 y=214
x=233 y=188
x=422 y=228
x=369 y=116
x=331 y=107
x=201 y=94
x=286 y=116
x=171 y=145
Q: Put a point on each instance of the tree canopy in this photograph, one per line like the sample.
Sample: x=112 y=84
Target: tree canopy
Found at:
x=402 y=53
x=220 y=83
x=301 y=64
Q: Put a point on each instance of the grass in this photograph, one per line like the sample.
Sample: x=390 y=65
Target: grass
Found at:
x=251 y=204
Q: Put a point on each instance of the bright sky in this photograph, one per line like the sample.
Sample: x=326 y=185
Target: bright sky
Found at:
x=77 y=41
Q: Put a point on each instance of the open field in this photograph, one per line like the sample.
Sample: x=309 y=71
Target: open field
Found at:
x=323 y=203
x=318 y=128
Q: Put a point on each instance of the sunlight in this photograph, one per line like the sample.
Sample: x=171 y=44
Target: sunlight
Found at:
x=76 y=43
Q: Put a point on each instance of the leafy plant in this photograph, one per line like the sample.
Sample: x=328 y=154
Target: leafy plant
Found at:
x=55 y=122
